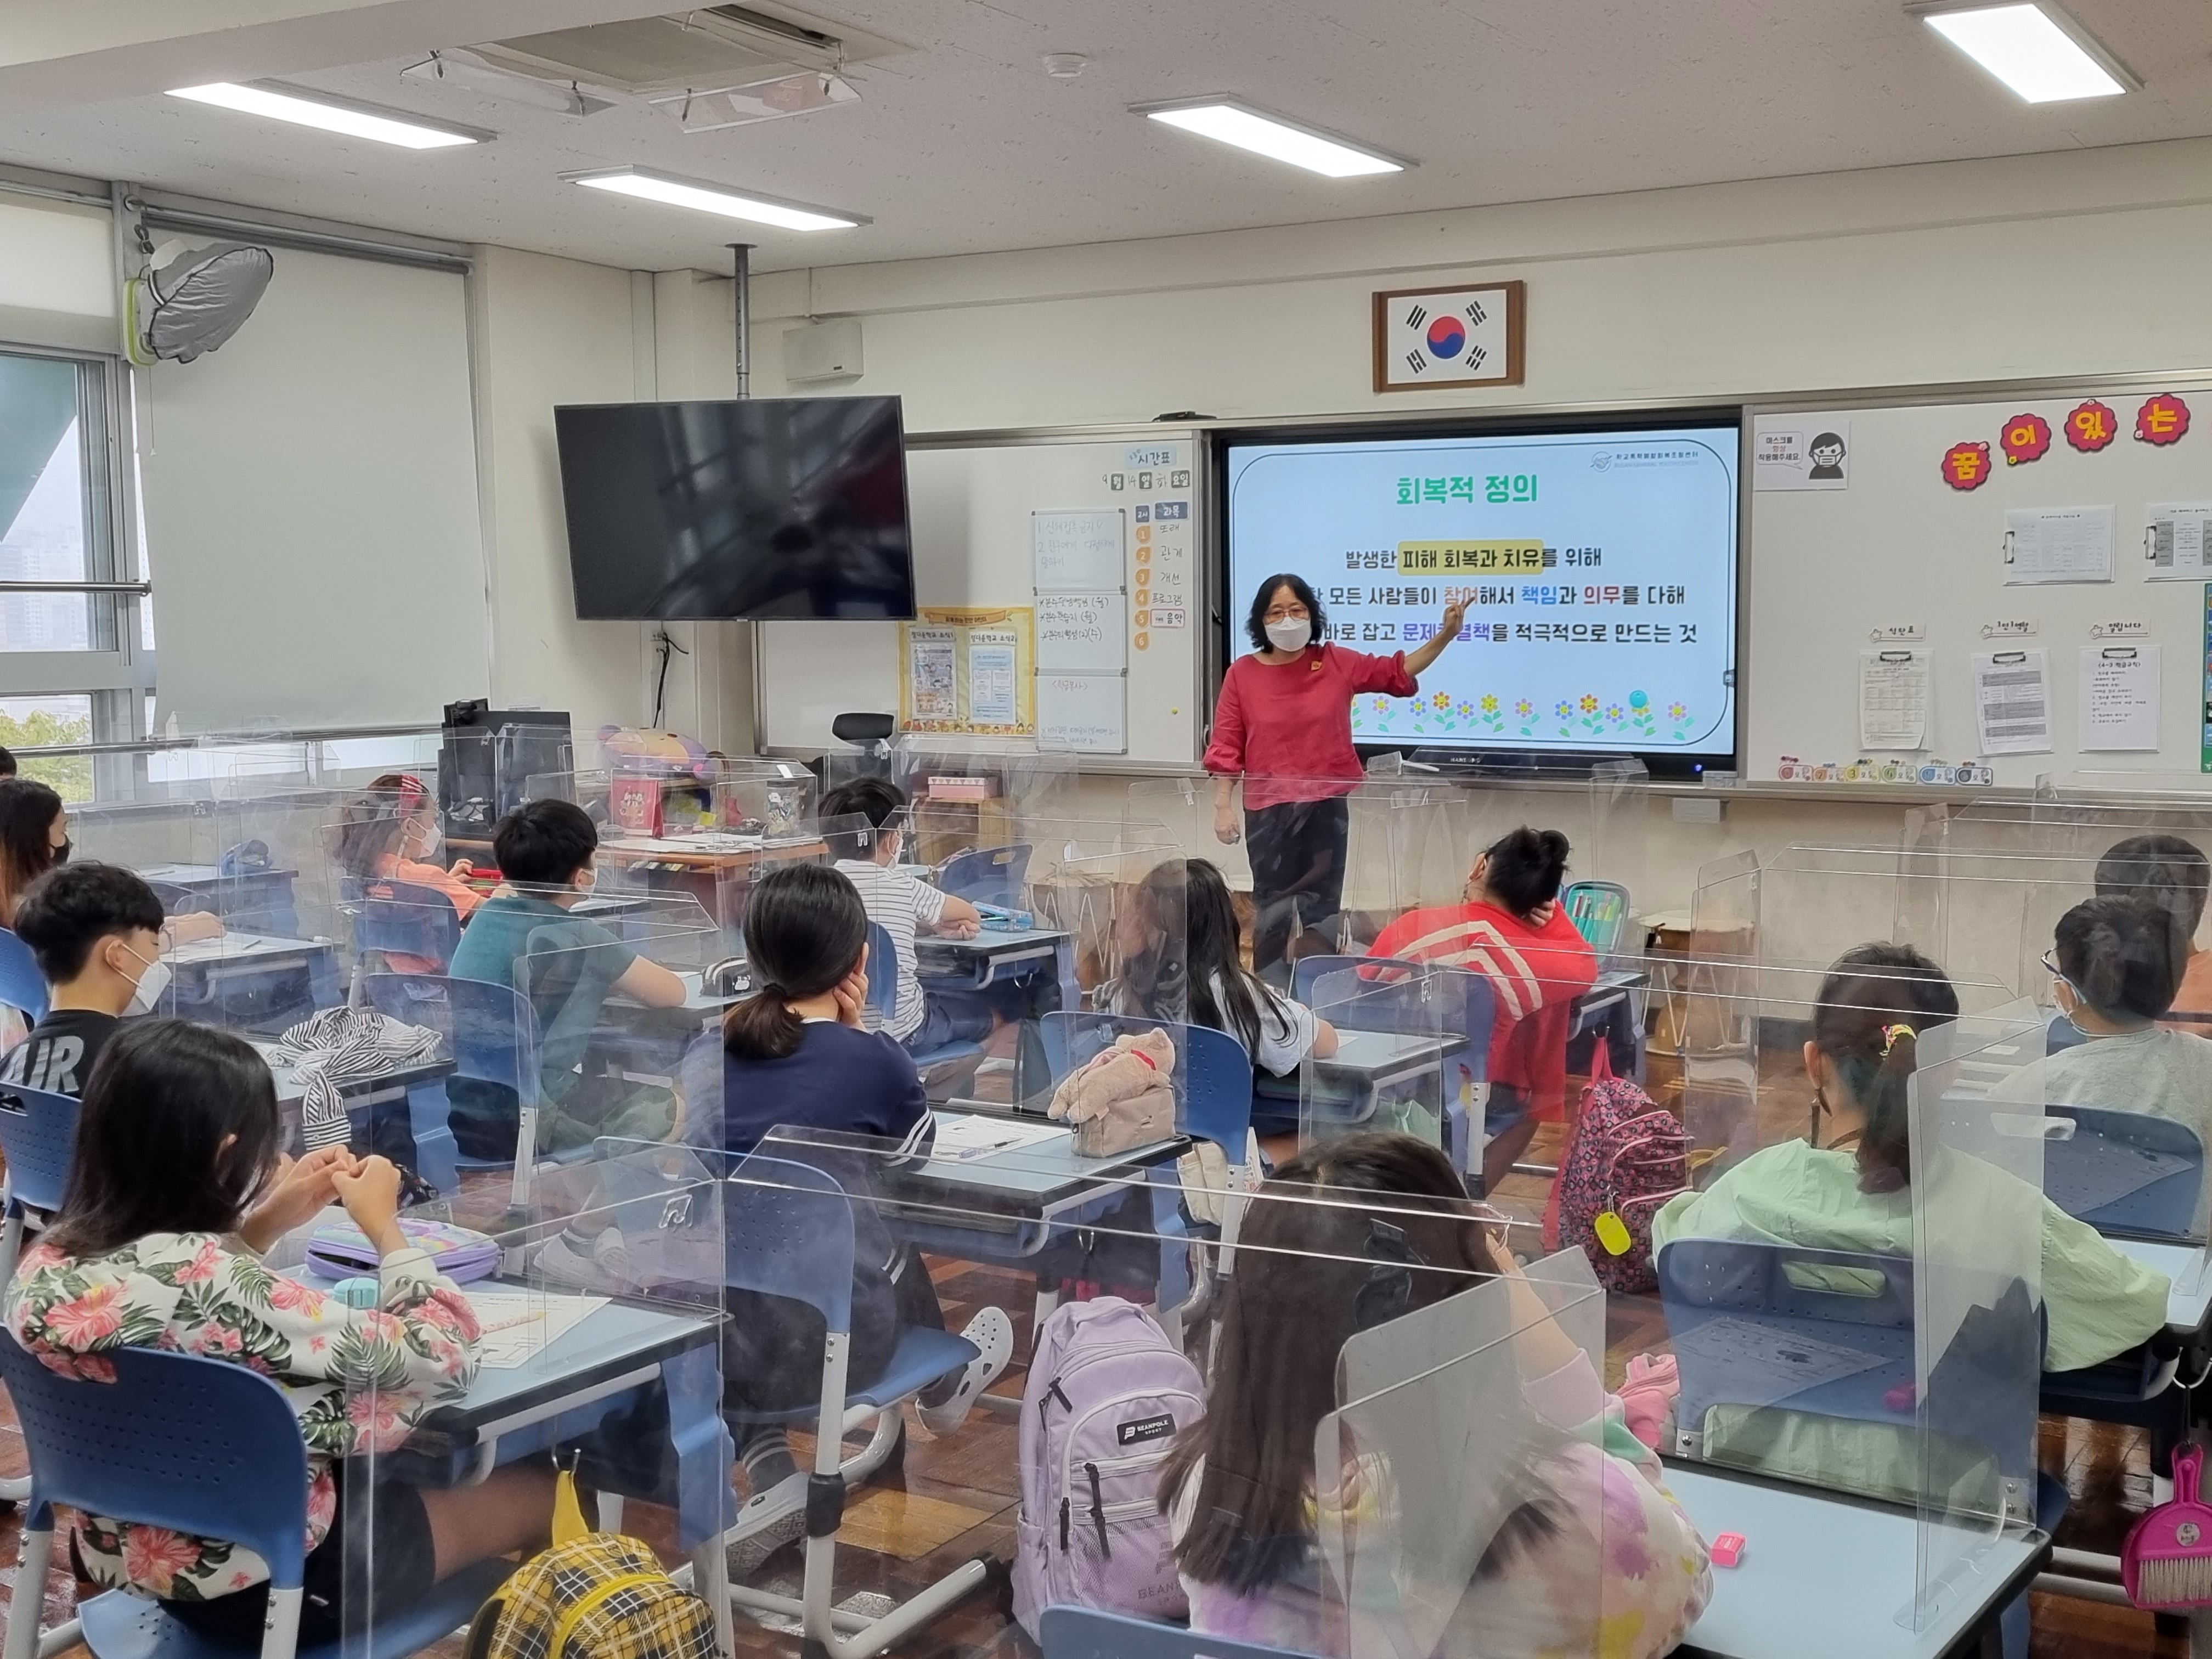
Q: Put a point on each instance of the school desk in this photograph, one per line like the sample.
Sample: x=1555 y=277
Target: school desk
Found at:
x=254 y=981
x=998 y=956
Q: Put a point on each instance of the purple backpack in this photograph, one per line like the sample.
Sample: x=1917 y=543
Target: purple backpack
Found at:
x=1107 y=1394
x=1629 y=1156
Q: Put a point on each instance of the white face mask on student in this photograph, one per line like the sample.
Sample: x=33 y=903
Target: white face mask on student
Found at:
x=1290 y=634
x=147 y=994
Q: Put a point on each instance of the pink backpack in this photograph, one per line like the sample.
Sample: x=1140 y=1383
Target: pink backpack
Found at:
x=1106 y=1397
x=1629 y=1156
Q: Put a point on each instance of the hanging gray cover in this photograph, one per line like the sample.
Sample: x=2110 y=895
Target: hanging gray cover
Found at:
x=200 y=299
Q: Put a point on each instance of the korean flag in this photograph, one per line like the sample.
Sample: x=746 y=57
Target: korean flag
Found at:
x=1455 y=337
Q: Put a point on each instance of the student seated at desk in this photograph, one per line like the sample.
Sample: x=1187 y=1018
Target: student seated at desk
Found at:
x=34 y=838
x=795 y=1055
x=1598 y=1559
x=923 y=1018
x=2174 y=874
x=545 y=850
x=96 y=932
x=1512 y=930
x=178 y=1186
x=2118 y=963
x=1856 y=1194
x=1277 y=1032
x=391 y=834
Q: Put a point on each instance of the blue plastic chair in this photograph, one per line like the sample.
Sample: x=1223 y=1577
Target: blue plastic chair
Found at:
x=883 y=997
x=987 y=875
x=404 y=918
x=202 y=1446
x=491 y=1032
x=21 y=984
x=788 y=1228
x=2164 y=1208
x=1086 y=1633
x=1599 y=910
x=38 y=1132
x=1480 y=1014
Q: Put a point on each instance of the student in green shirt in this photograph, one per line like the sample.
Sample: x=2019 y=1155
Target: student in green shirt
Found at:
x=1855 y=1193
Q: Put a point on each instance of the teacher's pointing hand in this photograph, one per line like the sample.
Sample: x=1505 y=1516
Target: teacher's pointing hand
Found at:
x=1455 y=618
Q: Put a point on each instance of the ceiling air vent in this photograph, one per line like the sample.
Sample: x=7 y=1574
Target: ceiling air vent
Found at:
x=713 y=46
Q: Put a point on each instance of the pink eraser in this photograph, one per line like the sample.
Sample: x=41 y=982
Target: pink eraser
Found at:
x=1728 y=1549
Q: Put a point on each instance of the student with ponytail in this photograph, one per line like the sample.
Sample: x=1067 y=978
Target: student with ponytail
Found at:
x=796 y=1071
x=1854 y=1192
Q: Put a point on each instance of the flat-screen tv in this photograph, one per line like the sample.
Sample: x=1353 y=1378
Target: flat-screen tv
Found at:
x=1597 y=562
x=769 y=507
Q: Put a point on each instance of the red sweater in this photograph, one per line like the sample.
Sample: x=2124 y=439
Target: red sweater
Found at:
x=1288 y=728
x=1535 y=974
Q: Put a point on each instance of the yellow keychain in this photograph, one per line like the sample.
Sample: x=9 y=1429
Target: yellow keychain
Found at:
x=1613 y=1232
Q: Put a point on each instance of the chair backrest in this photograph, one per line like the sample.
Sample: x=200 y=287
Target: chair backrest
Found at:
x=788 y=1231
x=198 y=1445
x=882 y=970
x=1599 y=910
x=404 y=918
x=491 y=1030
x=987 y=875
x=1214 y=1101
x=1742 y=1316
x=21 y=984
x=2126 y=1171
x=38 y=1130
x=1086 y=1633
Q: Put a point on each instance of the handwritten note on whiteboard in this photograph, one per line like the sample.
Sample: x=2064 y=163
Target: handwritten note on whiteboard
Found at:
x=1082 y=714
x=1082 y=632
x=1079 y=552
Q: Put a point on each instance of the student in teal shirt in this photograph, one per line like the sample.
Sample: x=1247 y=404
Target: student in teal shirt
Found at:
x=546 y=851
x=1855 y=1193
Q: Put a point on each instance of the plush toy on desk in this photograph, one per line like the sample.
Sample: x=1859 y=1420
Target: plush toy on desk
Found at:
x=1123 y=1096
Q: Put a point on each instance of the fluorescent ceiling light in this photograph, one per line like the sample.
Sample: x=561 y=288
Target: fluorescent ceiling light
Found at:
x=1229 y=122
x=331 y=115
x=716 y=198
x=2035 y=48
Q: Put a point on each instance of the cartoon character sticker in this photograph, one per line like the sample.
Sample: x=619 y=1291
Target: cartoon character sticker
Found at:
x=1826 y=451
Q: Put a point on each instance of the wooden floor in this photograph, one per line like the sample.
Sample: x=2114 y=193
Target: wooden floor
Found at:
x=949 y=1501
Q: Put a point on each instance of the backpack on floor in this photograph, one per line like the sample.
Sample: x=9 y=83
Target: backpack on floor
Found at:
x=1629 y=1156
x=592 y=1595
x=1107 y=1394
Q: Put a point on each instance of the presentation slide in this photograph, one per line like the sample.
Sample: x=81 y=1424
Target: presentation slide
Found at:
x=1598 y=569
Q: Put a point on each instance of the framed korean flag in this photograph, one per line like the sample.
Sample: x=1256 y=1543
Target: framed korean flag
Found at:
x=1449 y=336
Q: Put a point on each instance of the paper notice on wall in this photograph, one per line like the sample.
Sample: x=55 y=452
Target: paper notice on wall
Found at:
x=2058 y=544
x=2177 y=540
x=993 y=687
x=1801 y=452
x=933 y=680
x=2118 y=700
x=1893 y=699
x=2012 y=702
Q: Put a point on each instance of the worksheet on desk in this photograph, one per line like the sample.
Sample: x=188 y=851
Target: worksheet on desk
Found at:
x=518 y=1324
x=1765 y=1367
x=964 y=1139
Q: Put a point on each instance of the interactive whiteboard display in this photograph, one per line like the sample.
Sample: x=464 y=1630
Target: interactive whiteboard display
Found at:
x=1598 y=569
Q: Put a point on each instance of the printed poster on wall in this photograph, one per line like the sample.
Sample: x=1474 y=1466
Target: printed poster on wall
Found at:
x=1801 y=452
x=969 y=671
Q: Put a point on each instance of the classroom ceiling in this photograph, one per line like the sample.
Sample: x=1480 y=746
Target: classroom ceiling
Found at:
x=961 y=143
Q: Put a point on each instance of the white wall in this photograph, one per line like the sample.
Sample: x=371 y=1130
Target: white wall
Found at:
x=1927 y=275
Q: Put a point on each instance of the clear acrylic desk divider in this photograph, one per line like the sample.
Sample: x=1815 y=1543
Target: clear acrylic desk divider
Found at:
x=598 y=1343
x=1397 y=1031
x=1977 y=1144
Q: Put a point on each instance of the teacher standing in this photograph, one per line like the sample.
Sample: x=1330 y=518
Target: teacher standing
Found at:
x=1284 y=722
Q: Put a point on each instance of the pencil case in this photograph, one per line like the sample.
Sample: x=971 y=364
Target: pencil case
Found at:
x=342 y=1249
x=1001 y=919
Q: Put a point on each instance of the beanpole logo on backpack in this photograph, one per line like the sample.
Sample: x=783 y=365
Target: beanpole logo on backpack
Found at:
x=1162 y=1427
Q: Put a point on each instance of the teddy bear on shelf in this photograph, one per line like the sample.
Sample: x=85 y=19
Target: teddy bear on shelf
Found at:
x=1123 y=1096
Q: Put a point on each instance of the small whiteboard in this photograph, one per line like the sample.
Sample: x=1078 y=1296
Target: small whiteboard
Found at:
x=1079 y=552
x=1082 y=714
x=1084 y=633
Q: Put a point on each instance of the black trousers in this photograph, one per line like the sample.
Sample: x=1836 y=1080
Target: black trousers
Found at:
x=1297 y=851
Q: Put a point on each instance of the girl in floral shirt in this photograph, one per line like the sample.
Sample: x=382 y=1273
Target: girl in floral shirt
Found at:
x=177 y=1184
x=1572 y=1543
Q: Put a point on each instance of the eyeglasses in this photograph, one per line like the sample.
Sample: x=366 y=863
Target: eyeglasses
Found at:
x=2054 y=970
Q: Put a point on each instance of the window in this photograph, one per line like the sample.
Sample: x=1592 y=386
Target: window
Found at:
x=74 y=664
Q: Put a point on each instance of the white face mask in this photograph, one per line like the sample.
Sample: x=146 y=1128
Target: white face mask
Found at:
x=1290 y=634
x=589 y=882
x=155 y=980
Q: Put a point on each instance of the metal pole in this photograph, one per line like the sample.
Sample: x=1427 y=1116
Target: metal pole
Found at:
x=740 y=254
